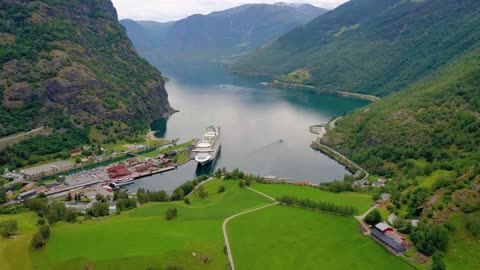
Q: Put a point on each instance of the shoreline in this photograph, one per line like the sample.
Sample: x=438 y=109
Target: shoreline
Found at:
x=326 y=92
x=332 y=153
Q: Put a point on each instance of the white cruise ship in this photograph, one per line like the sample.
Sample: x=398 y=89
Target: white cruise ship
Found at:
x=206 y=149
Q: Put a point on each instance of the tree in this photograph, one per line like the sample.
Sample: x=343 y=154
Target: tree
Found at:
x=71 y=215
x=8 y=228
x=429 y=238
x=221 y=189
x=126 y=204
x=98 y=209
x=186 y=200
x=56 y=212
x=37 y=240
x=373 y=218
x=402 y=225
x=45 y=231
x=437 y=261
x=37 y=205
x=218 y=173
x=69 y=197
x=99 y=197
x=171 y=213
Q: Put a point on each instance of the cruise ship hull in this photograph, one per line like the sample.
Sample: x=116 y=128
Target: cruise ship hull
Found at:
x=207 y=148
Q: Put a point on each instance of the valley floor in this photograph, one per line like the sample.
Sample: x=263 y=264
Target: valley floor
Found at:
x=276 y=237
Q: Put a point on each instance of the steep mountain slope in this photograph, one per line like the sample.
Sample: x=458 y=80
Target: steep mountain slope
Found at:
x=72 y=60
x=222 y=34
x=371 y=46
x=427 y=139
x=437 y=120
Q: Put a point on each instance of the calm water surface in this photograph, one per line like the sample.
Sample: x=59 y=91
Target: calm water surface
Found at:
x=254 y=118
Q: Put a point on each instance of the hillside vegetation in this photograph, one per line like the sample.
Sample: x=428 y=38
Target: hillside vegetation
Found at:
x=371 y=46
x=71 y=60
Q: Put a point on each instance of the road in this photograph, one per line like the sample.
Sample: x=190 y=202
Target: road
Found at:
x=4 y=139
x=362 y=217
x=225 y=236
x=224 y=225
x=331 y=126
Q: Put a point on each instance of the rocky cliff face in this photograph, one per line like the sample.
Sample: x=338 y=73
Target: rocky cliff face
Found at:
x=72 y=60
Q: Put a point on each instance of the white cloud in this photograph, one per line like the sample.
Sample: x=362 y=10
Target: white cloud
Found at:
x=167 y=10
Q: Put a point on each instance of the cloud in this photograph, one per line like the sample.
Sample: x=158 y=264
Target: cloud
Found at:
x=168 y=10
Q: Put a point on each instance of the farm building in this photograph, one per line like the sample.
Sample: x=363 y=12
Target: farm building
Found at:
x=388 y=237
x=361 y=184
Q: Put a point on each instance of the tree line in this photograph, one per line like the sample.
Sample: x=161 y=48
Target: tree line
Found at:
x=322 y=206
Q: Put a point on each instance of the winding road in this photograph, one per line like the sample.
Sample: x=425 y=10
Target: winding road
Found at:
x=224 y=225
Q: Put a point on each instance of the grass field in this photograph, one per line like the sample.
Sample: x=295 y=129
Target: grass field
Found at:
x=18 y=247
x=428 y=181
x=463 y=249
x=281 y=237
x=278 y=237
x=360 y=201
x=142 y=238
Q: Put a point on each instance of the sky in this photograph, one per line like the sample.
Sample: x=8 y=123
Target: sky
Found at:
x=169 y=10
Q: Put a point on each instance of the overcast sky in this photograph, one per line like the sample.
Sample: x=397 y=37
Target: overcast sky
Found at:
x=168 y=10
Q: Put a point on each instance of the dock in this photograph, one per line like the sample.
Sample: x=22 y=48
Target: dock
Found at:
x=166 y=169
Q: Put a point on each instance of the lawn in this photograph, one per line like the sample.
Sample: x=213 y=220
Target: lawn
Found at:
x=282 y=237
x=360 y=201
x=428 y=181
x=142 y=237
x=18 y=247
x=463 y=249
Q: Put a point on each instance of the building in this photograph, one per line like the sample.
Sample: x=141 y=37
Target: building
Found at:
x=9 y=195
x=26 y=195
x=29 y=186
x=388 y=237
x=387 y=241
x=361 y=184
x=51 y=185
x=385 y=197
x=41 y=189
x=383 y=227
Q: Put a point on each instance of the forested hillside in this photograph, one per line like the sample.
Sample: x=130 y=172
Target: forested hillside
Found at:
x=64 y=61
x=370 y=46
x=427 y=140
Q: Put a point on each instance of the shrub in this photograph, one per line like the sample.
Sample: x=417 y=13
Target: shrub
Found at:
x=186 y=200
x=8 y=228
x=430 y=238
x=221 y=189
x=71 y=215
x=44 y=231
x=323 y=206
x=374 y=217
x=171 y=213
x=37 y=240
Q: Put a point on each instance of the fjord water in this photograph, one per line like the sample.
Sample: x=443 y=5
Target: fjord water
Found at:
x=265 y=131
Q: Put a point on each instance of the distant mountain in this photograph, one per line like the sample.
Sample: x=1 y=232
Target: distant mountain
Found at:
x=219 y=35
x=370 y=46
x=65 y=62
x=146 y=35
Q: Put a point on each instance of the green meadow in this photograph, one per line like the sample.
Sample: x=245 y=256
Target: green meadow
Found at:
x=277 y=237
x=360 y=201
x=282 y=237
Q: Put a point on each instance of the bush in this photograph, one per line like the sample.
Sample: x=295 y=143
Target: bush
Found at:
x=373 y=218
x=473 y=225
x=98 y=210
x=171 y=213
x=37 y=240
x=186 y=200
x=45 y=231
x=221 y=189
x=41 y=221
x=71 y=215
x=402 y=225
x=437 y=262
x=8 y=228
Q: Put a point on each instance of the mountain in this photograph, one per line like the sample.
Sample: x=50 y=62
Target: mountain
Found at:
x=370 y=46
x=70 y=63
x=427 y=139
x=222 y=34
x=146 y=35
